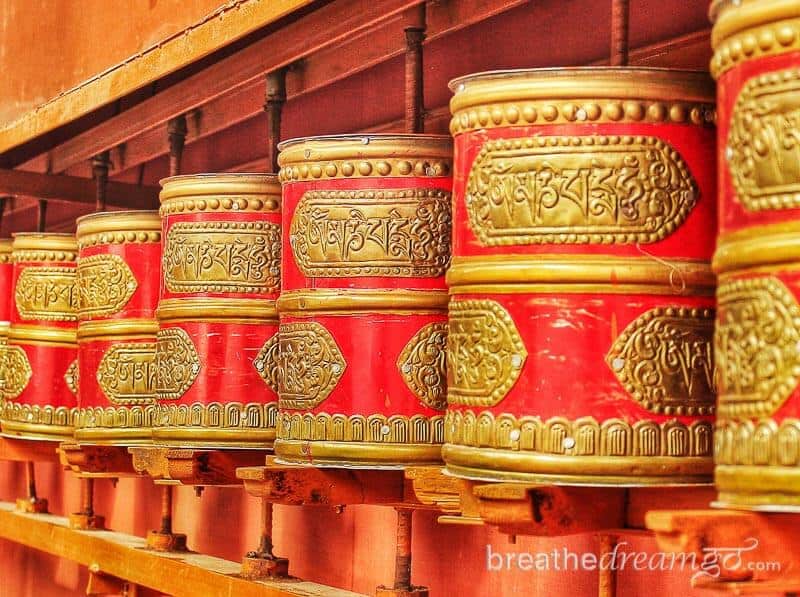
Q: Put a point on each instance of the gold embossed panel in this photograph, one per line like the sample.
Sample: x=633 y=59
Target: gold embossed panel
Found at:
x=485 y=353
x=423 y=365
x=757 y=346
x=127 y=373
x=105 y=285
x=578 y=190
x=266 y=363
x=71 y=377
x=177 y=363
x=664 y=358
x=17 y=371
x=764 y=142
x=372 y=233
x=241 y=257
x=47 y=294
x=311 y=364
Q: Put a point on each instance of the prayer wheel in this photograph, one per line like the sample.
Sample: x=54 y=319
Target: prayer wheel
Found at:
x=582 y=299
x=757 y=343
x=217 y=340
x=363 y=307
x=41 y=356
x=119 y=257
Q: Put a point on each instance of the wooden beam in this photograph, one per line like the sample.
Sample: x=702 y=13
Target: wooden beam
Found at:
x=323 y=27
x=60 y=187
x=232 y=21
x=184 y=574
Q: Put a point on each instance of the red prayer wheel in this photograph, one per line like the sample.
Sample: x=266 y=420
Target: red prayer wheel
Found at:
x=757 y=342
x=41 y=364
x=366 y=237
x=220 y=277
x=118 y=279
x=581 y=312
x=6 y=276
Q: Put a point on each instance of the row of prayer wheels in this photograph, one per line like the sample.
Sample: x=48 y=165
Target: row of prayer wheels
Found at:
x=530 y=300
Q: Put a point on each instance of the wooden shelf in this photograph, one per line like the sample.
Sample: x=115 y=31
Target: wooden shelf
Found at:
x=189 y=466
x=757 y=551
x=28 y=450
x=127 y=557
x=96 y=461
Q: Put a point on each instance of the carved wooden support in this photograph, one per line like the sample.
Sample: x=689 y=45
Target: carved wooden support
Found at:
x=104 y=584
x=96 y=461
x=25 y=450
x=433 y=488
x=310 y=486
x=755 y=552
x=189 y=466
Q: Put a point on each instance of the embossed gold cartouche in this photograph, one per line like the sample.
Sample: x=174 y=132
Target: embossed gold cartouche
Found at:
x=581 y=313
x=216 y=348
x=757 y=338
x=6 y=277
x=118 y=277
x=362 y=339
x=40 y=401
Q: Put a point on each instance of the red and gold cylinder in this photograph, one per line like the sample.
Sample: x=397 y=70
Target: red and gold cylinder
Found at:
x=41 y=357
x=6 y=277
x=582 y=299
x=757 y=342
x=119 y=256
x=216 y=364
x=366 y=242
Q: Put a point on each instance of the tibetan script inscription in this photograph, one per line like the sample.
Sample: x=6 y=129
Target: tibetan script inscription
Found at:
x=311 y=365
x=47 y=294
x=757 y=346
x=577 y=190
x=127 y=373
x=764 y=142
x=423 y=365
x=105 y=285
x=485 y=353
x=239 y=257
x=177 y=363
x=665 y=359
x=372 y=233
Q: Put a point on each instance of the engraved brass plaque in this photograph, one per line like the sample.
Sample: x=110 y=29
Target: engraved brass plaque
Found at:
x=665 y=359
x=757 y=346
x=485 y=353
x=266 y=363
x=764 y=142
x=17 y=371
x=578 y=190
x=372 y=233
x=311 y=365
x=127 y=373
x=423 y=365
x=47 y=294
x=177 y=363
x=105 y=285
x=238 y=257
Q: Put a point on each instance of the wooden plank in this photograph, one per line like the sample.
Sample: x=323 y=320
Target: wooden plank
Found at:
x=127 y=557
x=61 y=187
x=230 y=22
x=28 y=450
x=328 y=25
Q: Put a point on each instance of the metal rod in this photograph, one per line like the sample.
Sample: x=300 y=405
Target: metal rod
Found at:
x=100 y=166
x=41 y=215
x=402 y=564
x=87 y=496
x=607 y=580
x=415 y=99
x=265 y=546
x=620 y=22
x=3 y=203
x=276 y=98
x=30 y=476
x=176 y=132
x=166 y=510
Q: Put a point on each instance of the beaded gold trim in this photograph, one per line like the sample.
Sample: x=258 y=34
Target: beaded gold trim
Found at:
x=367 y=168
x=119 y=238
x=581 y=437
x=756 y=42
x=231 y=203
x=397 y=429
x=71 y=377
x=30 y=256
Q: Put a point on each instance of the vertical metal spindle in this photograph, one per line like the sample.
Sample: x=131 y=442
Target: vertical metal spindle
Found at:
x=415 y=99
x=176 y=133
x=273 y=106
x=620 y=22
x=100 y=166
